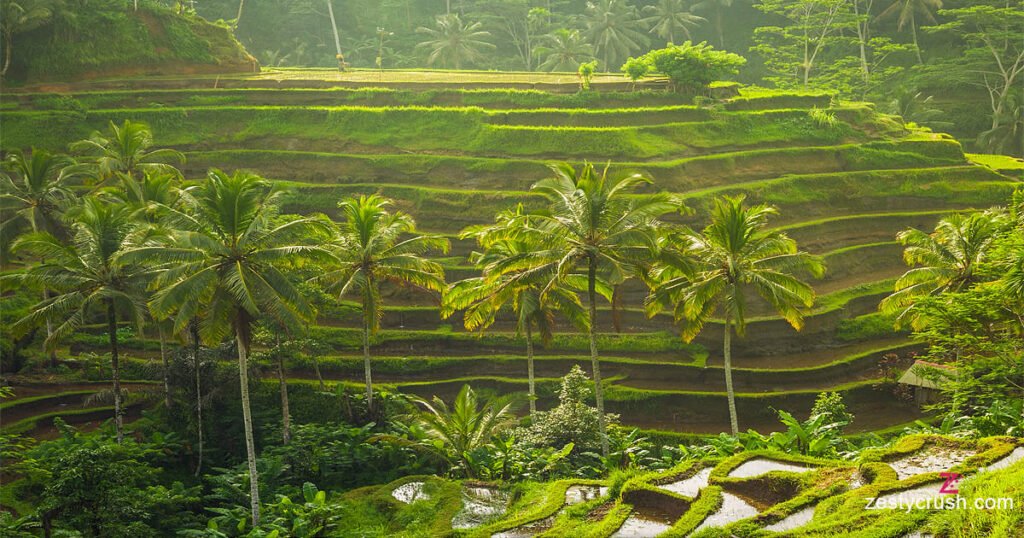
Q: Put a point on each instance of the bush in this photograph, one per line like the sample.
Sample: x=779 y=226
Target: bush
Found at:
x=691 y=68
x=572 y=421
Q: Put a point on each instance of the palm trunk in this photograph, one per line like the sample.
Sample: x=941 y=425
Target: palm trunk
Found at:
x=8 y=42
x=115 y=366
x=238 y=18
x=334 y=27
x=730 y=395
x=594 y=360
x=167 y=369
x=286 y=419
x=529 y=368
x=718 y=27
x=49 y=333
x=319 y=376
x=196 y=365
x=242 y=338
x=366 y=361
x=913 y=33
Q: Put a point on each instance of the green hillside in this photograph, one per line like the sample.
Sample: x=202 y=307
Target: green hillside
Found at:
x=110 y=39
x=845 y=179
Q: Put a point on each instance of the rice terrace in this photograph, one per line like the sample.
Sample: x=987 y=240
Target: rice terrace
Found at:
x=512 y=268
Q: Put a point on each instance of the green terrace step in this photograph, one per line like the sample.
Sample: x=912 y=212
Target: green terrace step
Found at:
x=871 y=401
x=857 y=362
x=849 y=231
x=392 y=130
x=449 y=171
x=798 y=197
x=369 y=96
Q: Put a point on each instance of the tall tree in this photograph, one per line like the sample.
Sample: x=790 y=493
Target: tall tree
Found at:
x=19 y=17
x=483 y=298
x=226 y=258
x=718 y=9
x=127 y=149
x=454 y=42
x=994 y=56
x=669 y=19
x=615 y=29
x=593 y=234
x=90 y=277
x=794 y=49
x=373 y=246
x=564 y=50
x=906 y=12
x=734 y=254
x=947 y=259
x=33 y=200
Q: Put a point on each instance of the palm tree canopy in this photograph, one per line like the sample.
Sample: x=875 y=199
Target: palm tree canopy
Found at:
x=945 y=260
x=19 y=16
x=590 y=219
x=454 y=42
x=89 y=272
x=226 y=254
x=615 y=29
x=668 y=19
x=127 y=150
x=736 y=250
x=483 y=297
x=374 y=245
x=906 y=11
x=564 y=50
x=38 y=192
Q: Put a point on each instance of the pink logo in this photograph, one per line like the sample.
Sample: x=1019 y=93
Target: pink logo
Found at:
x=949 y=486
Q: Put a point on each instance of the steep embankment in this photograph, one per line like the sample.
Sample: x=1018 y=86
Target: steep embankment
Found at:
x=107 y=41
x=453 y=157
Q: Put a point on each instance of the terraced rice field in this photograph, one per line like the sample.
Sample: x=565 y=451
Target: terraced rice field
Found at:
x=843 y=191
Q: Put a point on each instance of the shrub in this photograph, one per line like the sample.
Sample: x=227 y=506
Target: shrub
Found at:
x=691 y=68
x=572 y=421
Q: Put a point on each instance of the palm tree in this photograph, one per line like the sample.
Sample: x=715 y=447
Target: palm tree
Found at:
x=907 y=11
x=484 y=297
x=615 y=29
x=225 y=259
x=128 y=150
x=467 y=425
x=945 y=260
x=592 y=234
x=718 y=7
x=18 y=17
x=668 y=19
x=717 y=267
x=564 y=50
x=35 y=201
x=374 y=246
x=453 y=42
x=89 y=276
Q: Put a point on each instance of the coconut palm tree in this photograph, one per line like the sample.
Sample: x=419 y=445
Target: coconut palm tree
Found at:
x=482 y=298
x=615 y=29
x=564 y=50
x=718 y=8
x=592 y=235
x=372 y=246
x=127 y=149
x=226 y=260
x=906 y=13
x=668 y=19
x=466 y=425
x=89 y=277
x=736 y=253
x=945 y=260
x=18 y=17
x=454 y=42
x=33 y=200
